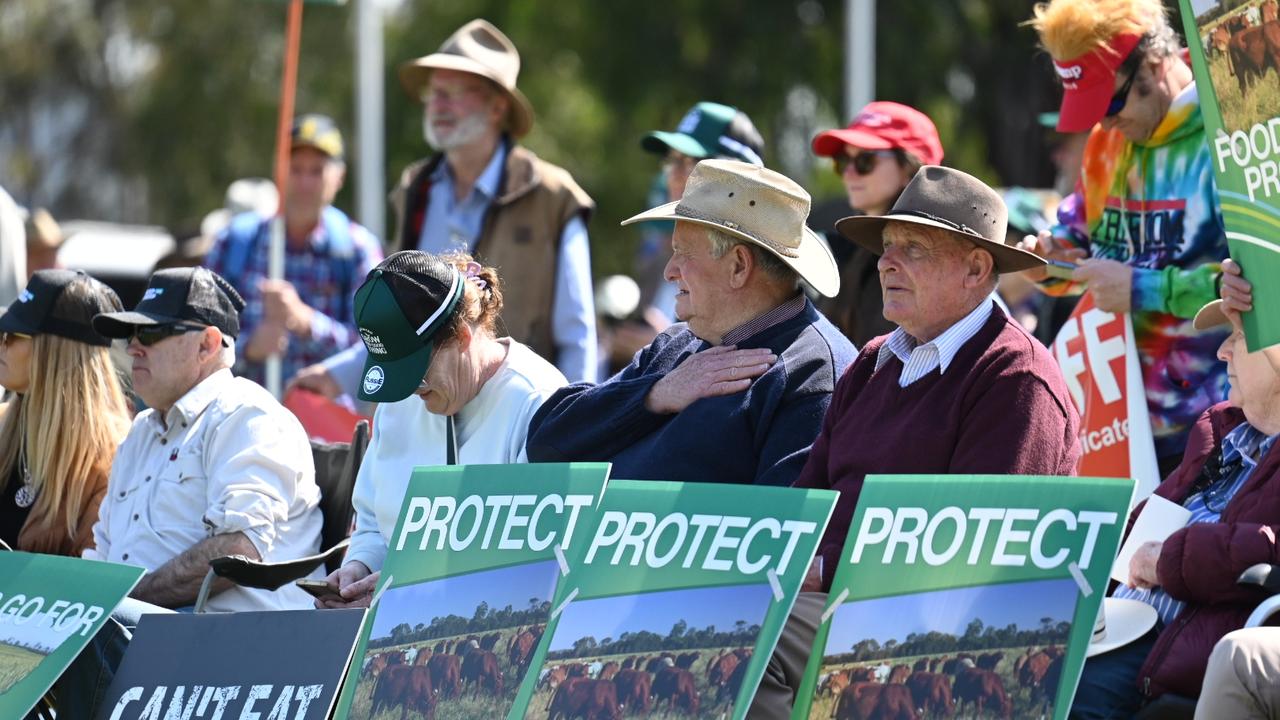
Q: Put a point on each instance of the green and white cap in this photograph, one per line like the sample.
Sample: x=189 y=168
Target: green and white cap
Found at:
x=401 y=306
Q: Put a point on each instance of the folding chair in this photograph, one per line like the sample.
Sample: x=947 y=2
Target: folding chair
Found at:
x=336 y=468
x=1177 y=707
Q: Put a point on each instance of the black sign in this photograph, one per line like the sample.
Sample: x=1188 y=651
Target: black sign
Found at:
x=282 y=665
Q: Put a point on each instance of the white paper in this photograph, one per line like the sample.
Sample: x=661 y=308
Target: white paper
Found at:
x=1160 y=518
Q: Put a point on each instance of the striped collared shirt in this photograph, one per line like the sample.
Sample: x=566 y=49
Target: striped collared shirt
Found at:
x=1242 y=449
x=764 y=321
x=920 y=360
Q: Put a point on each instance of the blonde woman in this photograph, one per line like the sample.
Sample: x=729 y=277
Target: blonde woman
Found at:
x=59 y=432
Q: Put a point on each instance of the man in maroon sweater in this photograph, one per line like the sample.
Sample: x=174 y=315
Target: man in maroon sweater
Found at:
x=957 y=388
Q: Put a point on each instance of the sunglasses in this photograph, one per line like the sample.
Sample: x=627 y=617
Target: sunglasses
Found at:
x=1118 y=101
x=152 y=334
x=7 y=338
x=864 y=163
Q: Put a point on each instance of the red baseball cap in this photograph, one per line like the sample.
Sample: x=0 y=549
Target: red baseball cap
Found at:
x=1089 y=81
x=884 y=126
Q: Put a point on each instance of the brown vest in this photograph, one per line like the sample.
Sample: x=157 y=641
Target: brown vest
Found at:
x=520 y=235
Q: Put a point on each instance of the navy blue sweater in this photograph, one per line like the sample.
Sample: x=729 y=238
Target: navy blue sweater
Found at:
x=761 y=435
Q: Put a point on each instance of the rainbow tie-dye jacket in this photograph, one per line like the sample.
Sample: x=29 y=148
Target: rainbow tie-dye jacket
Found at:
x=1154 y=206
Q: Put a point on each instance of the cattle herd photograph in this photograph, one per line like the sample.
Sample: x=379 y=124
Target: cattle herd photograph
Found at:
x=457 y=655
x=1242 y=49
x=674 y=654
x=984 y=652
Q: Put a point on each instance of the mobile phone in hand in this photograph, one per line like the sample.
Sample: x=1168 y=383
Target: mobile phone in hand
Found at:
x=1060 y=269
x=320 y=590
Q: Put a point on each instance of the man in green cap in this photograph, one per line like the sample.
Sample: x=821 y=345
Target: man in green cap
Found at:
x=707 y=130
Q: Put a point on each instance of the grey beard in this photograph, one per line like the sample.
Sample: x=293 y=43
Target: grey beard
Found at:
x=468 y=130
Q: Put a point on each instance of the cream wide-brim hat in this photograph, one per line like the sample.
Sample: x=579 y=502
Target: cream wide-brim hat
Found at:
x=481 y=49
x=1124 y=621
x=759 y=206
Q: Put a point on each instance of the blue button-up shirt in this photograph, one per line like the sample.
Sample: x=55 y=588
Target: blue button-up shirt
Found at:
x=454 y=225
x=1243 y=447
x=918 y=359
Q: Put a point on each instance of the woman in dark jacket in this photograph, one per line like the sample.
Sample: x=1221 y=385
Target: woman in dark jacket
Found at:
x=1230 y=481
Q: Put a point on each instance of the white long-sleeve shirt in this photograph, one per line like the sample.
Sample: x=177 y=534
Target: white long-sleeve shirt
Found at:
x=490 y=429
x=225 y=458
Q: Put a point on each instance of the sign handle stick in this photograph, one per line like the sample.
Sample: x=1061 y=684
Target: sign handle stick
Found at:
x=288 y=84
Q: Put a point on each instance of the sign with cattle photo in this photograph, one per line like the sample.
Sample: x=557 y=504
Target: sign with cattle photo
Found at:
x=1237 y=71
x=280 y=665
x=674 y=600
x=950 y=602
x=467 y=588
x=50 y=608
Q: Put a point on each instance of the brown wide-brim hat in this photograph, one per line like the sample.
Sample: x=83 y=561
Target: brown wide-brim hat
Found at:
x=757 y=205
x=951 y=200
x=481 y=49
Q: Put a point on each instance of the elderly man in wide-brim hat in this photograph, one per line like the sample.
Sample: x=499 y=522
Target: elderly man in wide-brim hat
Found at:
x=735 y=392
x=484 y=194
x=957 y=388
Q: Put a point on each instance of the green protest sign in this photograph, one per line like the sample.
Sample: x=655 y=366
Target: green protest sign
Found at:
x=1242 y=125
x=965 y=593
x=467 y=587
x=676 y=597
x=50 y=607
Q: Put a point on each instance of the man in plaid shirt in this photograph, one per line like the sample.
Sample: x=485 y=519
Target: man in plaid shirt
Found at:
x=308 y=315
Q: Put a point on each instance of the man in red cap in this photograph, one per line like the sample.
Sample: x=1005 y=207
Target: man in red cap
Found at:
x=875 y=157
x=1144 y=224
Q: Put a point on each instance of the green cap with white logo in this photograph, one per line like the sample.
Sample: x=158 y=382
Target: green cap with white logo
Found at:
x=400 y=307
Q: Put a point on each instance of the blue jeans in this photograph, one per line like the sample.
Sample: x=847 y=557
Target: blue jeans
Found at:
x=84 y=684
x=1109 y=682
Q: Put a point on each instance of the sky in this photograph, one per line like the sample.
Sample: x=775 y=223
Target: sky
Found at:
x=657 y=612
x=1200 y=6
x=462 y=594
x=951 y=611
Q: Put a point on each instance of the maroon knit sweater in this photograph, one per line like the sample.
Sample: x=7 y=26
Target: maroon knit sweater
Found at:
x=1001 y=408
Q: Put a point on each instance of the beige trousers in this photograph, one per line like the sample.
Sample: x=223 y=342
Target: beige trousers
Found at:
x=1243 y=678
x=777 y=692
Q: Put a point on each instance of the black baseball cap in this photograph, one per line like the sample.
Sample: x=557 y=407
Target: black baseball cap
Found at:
x=175 y=295
x=403 y=302
x=37 y=311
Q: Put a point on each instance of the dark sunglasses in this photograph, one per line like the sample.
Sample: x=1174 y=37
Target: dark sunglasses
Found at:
x=864 y=163
x=151 y=334
x=1130 y=65
x=6 y=338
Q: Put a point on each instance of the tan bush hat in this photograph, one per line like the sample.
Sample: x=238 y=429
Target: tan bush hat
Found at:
x=950 y=200
x=481 y=49
x=757 y=205
x=1211 y=315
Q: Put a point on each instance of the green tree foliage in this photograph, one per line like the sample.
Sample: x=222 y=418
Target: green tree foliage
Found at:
x=977 y=637
x=144 y=110
x=680 y=637
x=484 y=619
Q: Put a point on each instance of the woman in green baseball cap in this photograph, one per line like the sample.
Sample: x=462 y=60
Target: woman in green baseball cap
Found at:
x=450 y=391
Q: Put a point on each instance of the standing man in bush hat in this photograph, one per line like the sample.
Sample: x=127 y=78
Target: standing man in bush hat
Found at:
x=752 y=357
x=958 y=388
x=484 y=194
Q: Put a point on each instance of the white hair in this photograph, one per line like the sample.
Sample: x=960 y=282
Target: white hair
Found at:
x=773 y=266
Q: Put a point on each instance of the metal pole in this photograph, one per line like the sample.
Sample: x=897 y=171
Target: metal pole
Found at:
x=288 y=84
x=371 y=202
x=859 y=55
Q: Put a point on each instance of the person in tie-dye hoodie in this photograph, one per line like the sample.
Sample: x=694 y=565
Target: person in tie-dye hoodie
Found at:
x=1144 y=222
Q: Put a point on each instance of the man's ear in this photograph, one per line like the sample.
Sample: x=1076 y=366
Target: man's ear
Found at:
x=979 y=267
x=210 y=342
x=742 y=264
x=464 y=336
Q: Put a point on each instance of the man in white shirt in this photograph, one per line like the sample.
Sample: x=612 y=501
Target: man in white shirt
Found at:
x=215 y=467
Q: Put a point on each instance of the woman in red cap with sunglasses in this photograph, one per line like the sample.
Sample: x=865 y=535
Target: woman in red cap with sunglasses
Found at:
x=875 y=156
